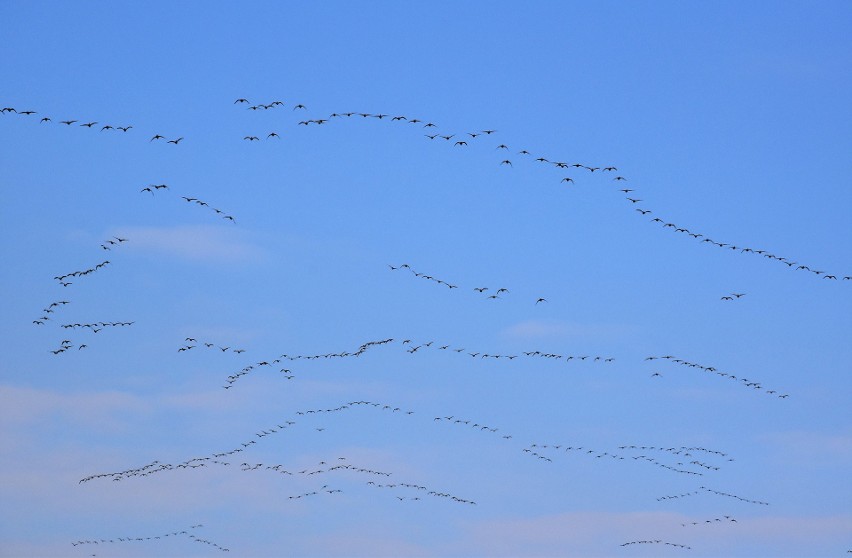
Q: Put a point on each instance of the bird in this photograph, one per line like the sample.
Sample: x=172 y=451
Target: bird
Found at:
x=540 y=300
x=68 y=122
x=175 y=141
x=156 y=137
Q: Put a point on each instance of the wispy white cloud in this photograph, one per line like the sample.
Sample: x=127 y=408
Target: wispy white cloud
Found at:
x=568 y=532
x=22 y=404
x=204 y=243
x=100 y=410
x=376 y=544
x=816 y=446
x=601 y=533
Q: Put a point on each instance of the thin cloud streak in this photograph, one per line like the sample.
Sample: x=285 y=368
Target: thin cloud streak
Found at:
x=201 y=243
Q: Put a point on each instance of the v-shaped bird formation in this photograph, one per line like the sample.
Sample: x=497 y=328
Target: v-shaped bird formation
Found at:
x=679 y=461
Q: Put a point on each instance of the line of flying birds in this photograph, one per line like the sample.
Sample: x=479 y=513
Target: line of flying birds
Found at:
x=561 y=165
x=152 y=188
x=156 y=467
x=125 y=539
x=412 y=348
x=90 y=124
x=496 y=294
x=713 y=370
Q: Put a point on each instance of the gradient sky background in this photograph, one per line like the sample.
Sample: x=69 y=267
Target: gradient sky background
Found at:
x=731 y=120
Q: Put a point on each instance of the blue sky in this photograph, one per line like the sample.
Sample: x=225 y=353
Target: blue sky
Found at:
x=728 y=121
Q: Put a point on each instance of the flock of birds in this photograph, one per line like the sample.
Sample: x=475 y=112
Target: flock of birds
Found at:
x=713 y=370
x=562 y=165
x=83 y=273
x=412 y=348
x=680 y=460
x=342 y=466
x=151 y=188
x=704 y=489
x=502 y=148
x=218 y=458
x=481 y=290
x=129 y=539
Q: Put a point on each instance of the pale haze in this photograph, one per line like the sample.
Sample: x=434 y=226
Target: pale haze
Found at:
x=426 y=279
